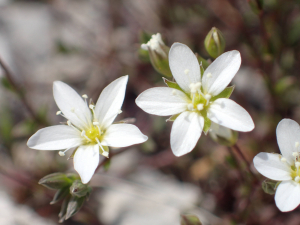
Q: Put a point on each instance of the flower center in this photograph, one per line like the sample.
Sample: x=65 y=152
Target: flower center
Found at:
x=295 y=172
x=93 y=134
x=199 y=101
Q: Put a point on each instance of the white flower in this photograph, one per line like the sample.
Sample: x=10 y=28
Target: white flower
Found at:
x=90 y=128
x=194 y=100
x=283 y=167
x=155 y=44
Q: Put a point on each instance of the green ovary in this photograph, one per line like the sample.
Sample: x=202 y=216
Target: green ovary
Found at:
x=93 y=134
x=198 y=99
x=294 y=172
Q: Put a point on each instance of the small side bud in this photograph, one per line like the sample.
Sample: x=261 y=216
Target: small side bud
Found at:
x=190 y=220
x=55 y=181
x=74 y=206
x=158 y=53
x=223 y=135
x=79 y=189
x=214 y=42
x=269 y=186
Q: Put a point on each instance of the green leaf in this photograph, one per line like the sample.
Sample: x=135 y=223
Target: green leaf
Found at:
x=226 y=93
x=172 y=84
x=55 y=181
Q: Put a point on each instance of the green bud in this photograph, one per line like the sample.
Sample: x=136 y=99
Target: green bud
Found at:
x=158 y=53
x=74 y=206
x=60 y=195
x=223 y=135
x=79 y=189
x=190 y=220
x=214 y=42
x=55 y=181
x=269 y=186
x=63 y=209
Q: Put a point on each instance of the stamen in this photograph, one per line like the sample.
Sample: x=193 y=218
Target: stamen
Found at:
x=190 y=107
x=91 y=106
x=200 y=107
x=295 y=154
x=58 y=113
x=173 y=92
x=83 y=133
x=207 y=97
x=63 y=153
x=120 y=111
x=193 y=88
x=96 y=123
x=186 y=71
x=69 y=123
x=198 y=85
x=209 y=75
x=85 y=96
x=104 y=152
x=283 y=159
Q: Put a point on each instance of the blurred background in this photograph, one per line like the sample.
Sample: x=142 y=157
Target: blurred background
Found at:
x=88 y=44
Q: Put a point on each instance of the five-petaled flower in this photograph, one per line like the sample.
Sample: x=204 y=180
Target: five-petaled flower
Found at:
x=284 y=167
x=89 y=128
x=195 y=101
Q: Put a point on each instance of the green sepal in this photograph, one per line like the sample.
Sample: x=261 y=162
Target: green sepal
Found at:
x=60 y=195
x=172 y=84
x=207 y=124
x=79 y=189
x=106 y=148
x=270 y=186
x=202 y=62
x=106 y=165
x=63 y=209
x=226 y=93
x=173 y=118
x=160 y=62
x=73 y=153
x=74 y=206
x=55 y=181
x=190 y=220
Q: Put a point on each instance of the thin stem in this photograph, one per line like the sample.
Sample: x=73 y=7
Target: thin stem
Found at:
x=238 y=165
x=19 y=92
x=238 y=150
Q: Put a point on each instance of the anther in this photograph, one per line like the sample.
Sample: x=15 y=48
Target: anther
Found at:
x=69 y=123
x=96 y=123
x=190 y=107
x=83 y=133
x=207 y=97
x=91 y=106
x=297 y=178
x=198 y=85
x=209 y=75
x=61 y=153
x=85 y=96
x=295 y=154
x=58 y=113
x=297 y=144
x=120 y=111
x=283 y=159
x=200 y=107
x=186 y=71
x=173 y=92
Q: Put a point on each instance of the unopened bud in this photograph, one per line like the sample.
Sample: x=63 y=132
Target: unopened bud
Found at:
x=269 y=186
x=190 y=220
x=74 y=206
x=223 y=135
x=79 y=189
x=60 y=195
x=214 y=42
x=158 y=53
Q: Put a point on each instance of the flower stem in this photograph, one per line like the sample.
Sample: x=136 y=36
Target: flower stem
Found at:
x=20 y=93
x=240 y=153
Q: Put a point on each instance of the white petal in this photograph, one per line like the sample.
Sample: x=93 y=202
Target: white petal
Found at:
x=184 y=66
x=229 y=114
x=123 y=135
x=55 y=138
x=110 y=101
x=288 y=133
x=287 y=196
x=185 y=133
x=162 y=101
x=86 y=160
x=219 y=74
x=271 y=166
x=72 y=105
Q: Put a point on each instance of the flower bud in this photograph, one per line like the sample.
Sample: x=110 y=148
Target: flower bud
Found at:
x=269 y=186
x=60 y=195
x=190 y=220
x=55 y=181
x=223 y=135
x=214 y=42
x=79 y=189
x=158 y=53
